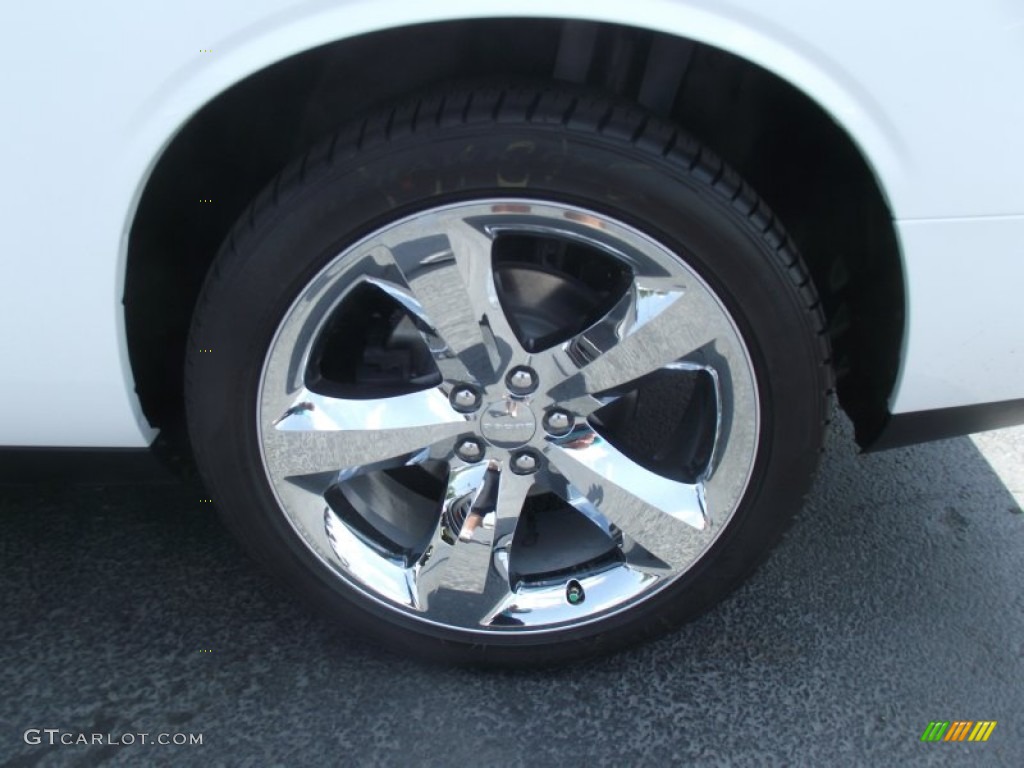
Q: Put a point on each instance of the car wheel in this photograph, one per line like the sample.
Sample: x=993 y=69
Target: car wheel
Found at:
x=508 y=376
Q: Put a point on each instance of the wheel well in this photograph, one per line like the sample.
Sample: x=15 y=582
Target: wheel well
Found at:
x=796 y=157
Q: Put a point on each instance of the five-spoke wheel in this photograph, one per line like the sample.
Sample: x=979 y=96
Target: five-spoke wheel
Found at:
x=337 y=459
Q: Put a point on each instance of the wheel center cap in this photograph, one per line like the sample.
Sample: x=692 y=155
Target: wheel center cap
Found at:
x=507 y=423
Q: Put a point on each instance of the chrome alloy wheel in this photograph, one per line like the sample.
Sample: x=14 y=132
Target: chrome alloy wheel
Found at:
x=483 y=467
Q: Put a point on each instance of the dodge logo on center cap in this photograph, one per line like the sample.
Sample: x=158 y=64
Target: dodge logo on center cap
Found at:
x=507 y=424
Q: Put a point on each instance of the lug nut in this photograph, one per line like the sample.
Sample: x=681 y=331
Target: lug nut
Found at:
x=521 y=380
x=470 y=450
x=525 y=463
x=558 y=422
x=465 y=398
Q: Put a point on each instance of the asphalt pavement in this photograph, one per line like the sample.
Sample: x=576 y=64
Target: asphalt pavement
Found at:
x=894 y=601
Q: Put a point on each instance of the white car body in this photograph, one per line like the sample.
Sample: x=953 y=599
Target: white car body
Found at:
x=93 y=94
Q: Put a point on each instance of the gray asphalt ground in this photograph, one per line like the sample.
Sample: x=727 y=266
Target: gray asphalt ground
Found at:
x=895 y=600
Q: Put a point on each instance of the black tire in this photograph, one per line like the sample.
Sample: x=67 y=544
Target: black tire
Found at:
x=475 y=144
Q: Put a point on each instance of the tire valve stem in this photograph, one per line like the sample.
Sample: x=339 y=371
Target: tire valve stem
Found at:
x=574 y=593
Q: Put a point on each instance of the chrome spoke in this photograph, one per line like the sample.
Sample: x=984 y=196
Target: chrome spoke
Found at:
x=665 y=516
x=450 y=276
x=448 y=562
x=321 y=434
x=461 y=575
x=651 y=327
x=472 y=244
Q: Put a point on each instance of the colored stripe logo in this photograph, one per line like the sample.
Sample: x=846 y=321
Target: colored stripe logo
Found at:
x=958 y=730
